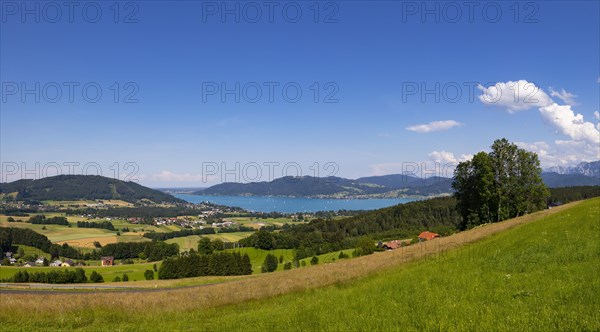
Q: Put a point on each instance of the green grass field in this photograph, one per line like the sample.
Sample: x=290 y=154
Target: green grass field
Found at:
x=538 y=276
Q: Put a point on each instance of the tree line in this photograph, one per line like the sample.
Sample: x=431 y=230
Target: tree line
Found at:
x=76 y=276
x=193 y=264
x=42 y=220
x=180 y=233
x=92 y=224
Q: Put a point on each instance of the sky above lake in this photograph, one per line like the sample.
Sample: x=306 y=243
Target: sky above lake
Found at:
x=193 y=93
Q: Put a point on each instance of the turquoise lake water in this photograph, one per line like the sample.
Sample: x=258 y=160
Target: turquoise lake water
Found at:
x=293 y=204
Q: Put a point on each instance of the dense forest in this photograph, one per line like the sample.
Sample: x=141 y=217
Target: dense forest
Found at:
x=180 y=233
x=83 y=187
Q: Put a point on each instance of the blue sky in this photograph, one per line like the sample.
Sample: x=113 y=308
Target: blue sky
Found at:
x=367 y=59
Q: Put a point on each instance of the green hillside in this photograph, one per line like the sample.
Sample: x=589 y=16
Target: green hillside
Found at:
x=539 y=276
x=83 y=187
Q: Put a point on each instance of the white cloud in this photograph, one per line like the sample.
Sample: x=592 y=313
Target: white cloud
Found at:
x=567 y=97
x=564 y=120
x=562 y=152
x=597 y=115
x=445 y=157
x=434 y=126
x=514 y=96
x=168 y=176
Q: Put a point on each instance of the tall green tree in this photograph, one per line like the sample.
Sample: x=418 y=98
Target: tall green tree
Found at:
x=502 y=184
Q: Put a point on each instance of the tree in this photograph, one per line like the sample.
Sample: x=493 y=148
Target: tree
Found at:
x=10 y=219
x=96 y=277
x=366 y=246
x=97 y=244
x=149 y=275
x=217 y=244
x=314 y=260
x=502 y=184
x=205 y=246
x=264 y=240
x=116 y=279
x=125 y=277
x=287 y=266
x=270 y=263
x=21 y=252
x=155 y=268
x=45 y=262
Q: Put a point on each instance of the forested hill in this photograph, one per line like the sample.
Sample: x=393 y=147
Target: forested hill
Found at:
x=307 y=186
x=83 y=187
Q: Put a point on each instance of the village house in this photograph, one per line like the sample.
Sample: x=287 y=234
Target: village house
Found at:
x=394 y=244
x=28 y=264
x=107 y=261
x=427 y=236
x=39 y=261
x=56 y=263
x=68 y=262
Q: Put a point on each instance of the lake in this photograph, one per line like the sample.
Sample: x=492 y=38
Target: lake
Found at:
x=294 y=204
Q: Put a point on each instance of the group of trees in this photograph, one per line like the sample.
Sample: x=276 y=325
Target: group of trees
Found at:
x=194 y=264
x=499 y=185
x=180 y=233
x=152 y=251
x=76 y=276
x=570 y=194
x=92 y=224
x=42 y=220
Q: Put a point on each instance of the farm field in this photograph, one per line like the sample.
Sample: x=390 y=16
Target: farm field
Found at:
x=191 y=242
x=537 y=272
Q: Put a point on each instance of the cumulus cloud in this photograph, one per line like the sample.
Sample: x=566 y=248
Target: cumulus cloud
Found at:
x=565 y=121
x=562 y=152
x=584 y=137
x=445 y=157
x=434 y=126
x=514 y=96
x=567 y=97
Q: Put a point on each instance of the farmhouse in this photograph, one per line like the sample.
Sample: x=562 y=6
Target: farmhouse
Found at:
x=56 y=263
x=68 y=262
x=394 y=244
x=427 y=236
x=39 y=261
x=28 y=264
x=107 y=261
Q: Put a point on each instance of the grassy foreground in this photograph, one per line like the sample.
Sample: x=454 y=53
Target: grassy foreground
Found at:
x=539 y=276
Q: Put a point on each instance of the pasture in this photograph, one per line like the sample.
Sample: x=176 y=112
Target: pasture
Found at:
x=537 y=272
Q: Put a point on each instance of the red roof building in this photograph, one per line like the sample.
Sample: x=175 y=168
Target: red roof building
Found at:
x=427 y=236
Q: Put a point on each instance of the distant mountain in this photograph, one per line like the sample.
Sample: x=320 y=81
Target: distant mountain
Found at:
x=84 y=187
x=556 y=180
x=584 y=168
x=307 y=186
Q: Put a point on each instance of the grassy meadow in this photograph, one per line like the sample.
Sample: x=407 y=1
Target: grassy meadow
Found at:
x=534 y=273
x=134 y=271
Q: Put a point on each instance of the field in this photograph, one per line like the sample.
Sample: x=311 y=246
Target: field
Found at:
x=191 y=242
x=134 y=271
x=538 y=272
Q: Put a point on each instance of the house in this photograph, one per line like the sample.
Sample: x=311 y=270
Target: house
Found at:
x=39 y=261
x=28 y=264
x=394 y=244
x=68 y=262
x=107 y=261
x=427 y=236
x=56 y=263
x=12 y=260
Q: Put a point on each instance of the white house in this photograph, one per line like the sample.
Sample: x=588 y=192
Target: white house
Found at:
x=57 y=263
x=39 y=261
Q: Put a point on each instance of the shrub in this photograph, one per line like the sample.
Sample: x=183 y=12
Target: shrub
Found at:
x=149 y=275
x=96 y=277
x=314 y=260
